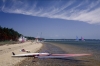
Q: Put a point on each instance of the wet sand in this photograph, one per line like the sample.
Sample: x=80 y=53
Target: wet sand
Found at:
x=62 y=48
x=93 y=60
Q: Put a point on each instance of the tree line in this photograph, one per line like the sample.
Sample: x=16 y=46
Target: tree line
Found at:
x=8 y=34
x=30 y=38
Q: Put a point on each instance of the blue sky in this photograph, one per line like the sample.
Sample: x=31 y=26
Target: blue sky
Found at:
x=52 y=18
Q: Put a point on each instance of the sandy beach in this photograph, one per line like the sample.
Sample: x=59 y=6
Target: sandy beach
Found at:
x=7 y=60
x=6 y=52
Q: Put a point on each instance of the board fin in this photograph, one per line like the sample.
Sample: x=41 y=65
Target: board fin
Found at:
x=13 y=53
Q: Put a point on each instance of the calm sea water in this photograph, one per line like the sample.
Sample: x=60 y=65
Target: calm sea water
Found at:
x=91 y=46
x=94 y=45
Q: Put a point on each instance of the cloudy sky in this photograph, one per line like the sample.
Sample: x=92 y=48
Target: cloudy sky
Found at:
x=52 y=18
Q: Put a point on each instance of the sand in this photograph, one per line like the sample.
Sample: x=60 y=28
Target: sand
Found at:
x=93 y=60
x=6 y=52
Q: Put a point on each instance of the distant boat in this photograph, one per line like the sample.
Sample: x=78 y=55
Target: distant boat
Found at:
x=77 y=39
x=82 y=39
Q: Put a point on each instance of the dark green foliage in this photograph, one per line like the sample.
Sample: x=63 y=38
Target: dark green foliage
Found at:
x=30 y=38
x=7 y=34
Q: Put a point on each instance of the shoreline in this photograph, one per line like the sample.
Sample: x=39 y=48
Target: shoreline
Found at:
x=52 y=48
x=62 y=48
x=92 y=60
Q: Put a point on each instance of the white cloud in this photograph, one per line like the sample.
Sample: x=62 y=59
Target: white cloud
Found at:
x=4 y=1
x=68 y=11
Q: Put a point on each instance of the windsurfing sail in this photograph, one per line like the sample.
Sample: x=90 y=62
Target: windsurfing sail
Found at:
x=77 y=39
x=82 y=39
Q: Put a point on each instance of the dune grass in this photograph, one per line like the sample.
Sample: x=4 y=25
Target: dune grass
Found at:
x=8 y=42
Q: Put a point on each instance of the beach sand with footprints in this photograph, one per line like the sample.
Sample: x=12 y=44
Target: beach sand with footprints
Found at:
x=6 y=52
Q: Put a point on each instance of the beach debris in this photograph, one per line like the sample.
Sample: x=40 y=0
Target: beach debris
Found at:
x=23 y=50
x=9 y=48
